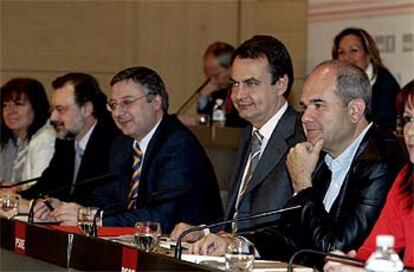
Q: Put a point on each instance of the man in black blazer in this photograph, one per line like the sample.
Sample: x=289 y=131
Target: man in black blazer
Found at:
x=342 y=189
x=81 y=120
x=176 y=179
x=262 y=76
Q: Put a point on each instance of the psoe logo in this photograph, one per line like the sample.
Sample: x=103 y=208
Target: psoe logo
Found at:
x=19 y=243
x=126 y=269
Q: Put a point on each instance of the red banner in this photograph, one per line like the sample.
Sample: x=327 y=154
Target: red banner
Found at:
x=20 y=238
x=129 y=259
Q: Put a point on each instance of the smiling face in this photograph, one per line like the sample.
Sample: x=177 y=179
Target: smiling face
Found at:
x=325 y=115
x=408 y=117
x=351 y=50
x=18 y=114
x=136 y=114
x=253 y=95
x=67 y=117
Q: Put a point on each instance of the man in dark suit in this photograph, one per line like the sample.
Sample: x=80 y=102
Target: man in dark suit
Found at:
x=342 y=189
x=343 y=194
x=163 y=173
x=82 y=123
x=262 y=76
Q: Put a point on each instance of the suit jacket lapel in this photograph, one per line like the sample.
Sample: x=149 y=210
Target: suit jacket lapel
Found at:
x=238 y=174
x=87 y=158
x=275 y=150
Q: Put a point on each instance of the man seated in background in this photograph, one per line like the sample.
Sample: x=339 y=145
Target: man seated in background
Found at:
x=84 y=128
x=342 y=189
x=163 y=172
x=217 y=68
x=262 y=77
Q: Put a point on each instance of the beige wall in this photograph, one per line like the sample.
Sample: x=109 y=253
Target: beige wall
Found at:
x=43 y=39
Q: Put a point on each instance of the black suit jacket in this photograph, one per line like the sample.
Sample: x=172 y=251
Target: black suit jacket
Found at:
x=177 y=183
x=58 y=176
x=270 y=186
x=351 y=216
x=384 y=94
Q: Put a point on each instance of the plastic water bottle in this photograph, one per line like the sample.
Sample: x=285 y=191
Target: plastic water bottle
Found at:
x=384 y=259
x=219 y=117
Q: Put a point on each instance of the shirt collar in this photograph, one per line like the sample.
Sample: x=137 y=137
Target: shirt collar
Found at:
x=143 y=144
x=346 y=157
x=85 y=139
x=267 y=129
x=370 y=73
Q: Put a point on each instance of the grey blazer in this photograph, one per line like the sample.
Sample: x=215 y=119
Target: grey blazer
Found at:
x=270 y=187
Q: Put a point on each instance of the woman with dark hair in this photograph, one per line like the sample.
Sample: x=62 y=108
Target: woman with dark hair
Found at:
x=397 y=216
x=27 y=141
x=356 y=46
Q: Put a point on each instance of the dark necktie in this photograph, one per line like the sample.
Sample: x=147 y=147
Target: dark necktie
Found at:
x=136 y=176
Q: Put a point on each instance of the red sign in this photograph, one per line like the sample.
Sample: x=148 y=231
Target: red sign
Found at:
x=20 y=238
x=129 y=259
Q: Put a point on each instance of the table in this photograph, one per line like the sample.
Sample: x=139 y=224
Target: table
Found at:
x=40 y=247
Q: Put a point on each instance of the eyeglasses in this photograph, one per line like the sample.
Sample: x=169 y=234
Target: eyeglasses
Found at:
x=125 y=104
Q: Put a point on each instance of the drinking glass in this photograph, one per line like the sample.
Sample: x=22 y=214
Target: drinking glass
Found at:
x=9 y=205
x=86 y=218
x=239 y=255
x=147 y=235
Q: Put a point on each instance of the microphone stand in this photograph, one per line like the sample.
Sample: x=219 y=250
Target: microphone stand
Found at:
x=179 y=189
x=185 y=104
x=30 y=217
x=335 y=257
x=92 y=180
x=178 y=248
x=19 y=183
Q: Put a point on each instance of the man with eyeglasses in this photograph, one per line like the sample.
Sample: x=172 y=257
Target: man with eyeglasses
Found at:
x=85 y=131
x=163 y=172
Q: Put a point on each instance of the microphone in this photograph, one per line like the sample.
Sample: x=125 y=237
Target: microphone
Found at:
x=69 y=186
x=156 y=195
x=185 y=104
x=19 y=183
x=333 y=257
x=178 y=248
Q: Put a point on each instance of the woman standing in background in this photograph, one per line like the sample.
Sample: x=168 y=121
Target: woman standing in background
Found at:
x=27 y=141
x=356 y=46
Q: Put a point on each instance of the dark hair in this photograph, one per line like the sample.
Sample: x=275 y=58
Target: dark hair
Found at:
x=402 y=97
x=86 y=89
x=35 y=94
x=148 y=78
x=221 y=51
x=280 y=63
x=407 y=184
x=367 y=42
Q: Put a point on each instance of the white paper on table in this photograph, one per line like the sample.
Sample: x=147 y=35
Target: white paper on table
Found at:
x=259 y=265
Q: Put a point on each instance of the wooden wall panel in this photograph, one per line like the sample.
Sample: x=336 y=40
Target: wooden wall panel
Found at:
x=286 y=20
x=44 y=39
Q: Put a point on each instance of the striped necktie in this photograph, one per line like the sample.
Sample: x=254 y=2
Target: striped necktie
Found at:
x=254 y=157
x=136 y=176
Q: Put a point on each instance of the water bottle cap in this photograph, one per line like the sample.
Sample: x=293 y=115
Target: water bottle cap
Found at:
x=385 y=241
x=219 y=101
